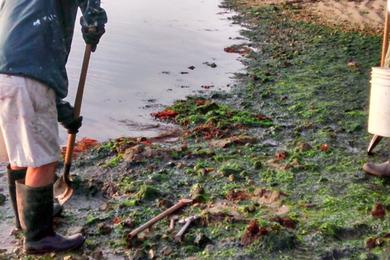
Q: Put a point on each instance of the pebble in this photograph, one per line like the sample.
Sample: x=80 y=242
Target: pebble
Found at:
x=104 y=229
x=76 y=229
x=151 y=254
x=201 y=240
x=166 y=251
x=103 y=207
x=2 y=199
x=170 y=164
x=98 y=254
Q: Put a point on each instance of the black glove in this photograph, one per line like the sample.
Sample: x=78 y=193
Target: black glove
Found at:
x=66 y=117
x=92 y=34
x=92 y=22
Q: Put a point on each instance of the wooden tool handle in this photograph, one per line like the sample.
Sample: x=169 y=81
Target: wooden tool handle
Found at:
x=385 y=44
x=77 y=108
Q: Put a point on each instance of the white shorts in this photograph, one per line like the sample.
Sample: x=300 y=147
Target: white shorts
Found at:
x=28 y=122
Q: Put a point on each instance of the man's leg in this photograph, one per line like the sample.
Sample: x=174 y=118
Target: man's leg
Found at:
x=28 y=121
x=41 y=176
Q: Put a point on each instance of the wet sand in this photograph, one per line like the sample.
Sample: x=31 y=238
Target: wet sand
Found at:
x=364 y=15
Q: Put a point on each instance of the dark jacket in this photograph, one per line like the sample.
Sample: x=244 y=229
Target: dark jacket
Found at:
x=36 y=36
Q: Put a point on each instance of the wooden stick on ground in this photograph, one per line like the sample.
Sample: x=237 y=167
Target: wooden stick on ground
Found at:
x=182 y=203
x=172 y=223
x=188 y=221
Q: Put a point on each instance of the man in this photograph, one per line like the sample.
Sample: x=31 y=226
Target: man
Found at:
x=35 y=41
x=381 y=170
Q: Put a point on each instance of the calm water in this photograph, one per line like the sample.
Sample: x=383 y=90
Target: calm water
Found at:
x=138 y=65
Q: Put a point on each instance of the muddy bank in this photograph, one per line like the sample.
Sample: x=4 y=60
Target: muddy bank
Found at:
x=274 y=166
x=367 y=16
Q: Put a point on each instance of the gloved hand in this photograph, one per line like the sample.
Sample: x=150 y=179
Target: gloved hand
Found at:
x=92 y=34
x=66 y=117
x=93 y=24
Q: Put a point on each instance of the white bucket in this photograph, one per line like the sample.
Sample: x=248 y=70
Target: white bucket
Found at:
x=379 y=115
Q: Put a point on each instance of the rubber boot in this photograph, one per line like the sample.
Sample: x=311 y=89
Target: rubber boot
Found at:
x=13 y=176
x=35 y=208
x=380 y=170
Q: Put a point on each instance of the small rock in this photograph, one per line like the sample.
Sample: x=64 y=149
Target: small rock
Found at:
x=76 y=229
x=17 y=250
x=258 y=164
x=250 y=182
x=281 y=155
x=353 y=65
x=373 y=242
x=250 y=208
x=139 y=254
x=324 y=148
x=191 y=67
x=103 y=207
x=166 y=236
x=104 y=228
x=141 y=139
x=237 y=140
x=180 y=165
x=201 y=240
x=196 y=189
x=270 y=142
x=98 y=255
x=378 y=211
x=148 y=192
x=134 y=154
x=151 y=254
x=163 y=203
x=166 y=251
x=304 y=147
x=128 y=223
x=142 y=236
x=207 y=86
x=210 y=64
x=2 y=199
x=170 y=164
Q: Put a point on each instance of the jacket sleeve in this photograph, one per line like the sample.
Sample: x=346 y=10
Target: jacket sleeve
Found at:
x=93 y=14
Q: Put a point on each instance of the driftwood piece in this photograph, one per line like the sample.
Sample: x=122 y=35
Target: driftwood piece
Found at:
x=181 y=232
x=182 y=203
x=173 y=222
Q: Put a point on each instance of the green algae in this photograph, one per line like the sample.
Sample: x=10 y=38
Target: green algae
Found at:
x=148 y=192
x=195 y=111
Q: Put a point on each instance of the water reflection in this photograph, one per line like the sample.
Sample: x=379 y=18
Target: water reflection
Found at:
x=143 y=59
